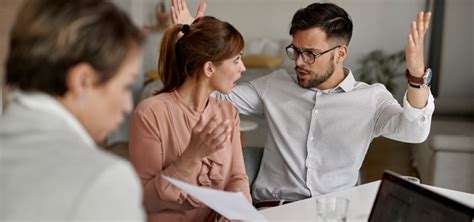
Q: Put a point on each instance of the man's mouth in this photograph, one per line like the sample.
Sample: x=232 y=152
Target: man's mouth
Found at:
x=301 y=73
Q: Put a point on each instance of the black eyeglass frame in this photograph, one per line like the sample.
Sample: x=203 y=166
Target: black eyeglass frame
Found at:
x=305 y=57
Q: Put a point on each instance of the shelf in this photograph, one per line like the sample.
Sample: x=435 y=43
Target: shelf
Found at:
x=150 y=29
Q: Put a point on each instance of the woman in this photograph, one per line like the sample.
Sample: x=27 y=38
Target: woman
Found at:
x=71 y=64
x=182 y=132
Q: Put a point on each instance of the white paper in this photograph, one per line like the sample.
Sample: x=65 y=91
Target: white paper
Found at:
x=231 y=205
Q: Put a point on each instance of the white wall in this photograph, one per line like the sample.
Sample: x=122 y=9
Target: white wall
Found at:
x=378 y=24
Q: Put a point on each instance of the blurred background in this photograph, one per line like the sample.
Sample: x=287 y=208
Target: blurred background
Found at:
x=381 y=28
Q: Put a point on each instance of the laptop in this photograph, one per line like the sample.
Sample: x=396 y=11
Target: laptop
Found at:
x=403 y=201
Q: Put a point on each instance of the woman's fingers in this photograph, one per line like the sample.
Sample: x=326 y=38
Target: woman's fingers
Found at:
x=200 y=125
x=210 y=136
x=220 y=127
x=218 y=142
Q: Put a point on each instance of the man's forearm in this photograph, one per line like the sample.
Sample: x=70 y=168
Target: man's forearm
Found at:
x=418 y=98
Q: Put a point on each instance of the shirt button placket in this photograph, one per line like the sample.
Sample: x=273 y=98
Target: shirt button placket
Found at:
x=310 y=143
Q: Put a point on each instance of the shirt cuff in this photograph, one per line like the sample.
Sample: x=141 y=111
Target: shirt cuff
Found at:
x=412 y=113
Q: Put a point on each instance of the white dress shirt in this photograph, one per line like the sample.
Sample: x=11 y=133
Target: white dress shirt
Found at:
x=43 y=102
x=318 y=139
x=51 y=169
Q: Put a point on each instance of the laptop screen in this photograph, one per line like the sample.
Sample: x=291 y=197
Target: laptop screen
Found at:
x=402 y=201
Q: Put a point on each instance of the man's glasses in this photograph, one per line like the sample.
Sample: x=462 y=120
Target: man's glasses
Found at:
x=308 y=55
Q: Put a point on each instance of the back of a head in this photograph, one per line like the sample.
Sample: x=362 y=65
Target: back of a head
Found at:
x=51 y=36
x=330 y=18
x=206 y=39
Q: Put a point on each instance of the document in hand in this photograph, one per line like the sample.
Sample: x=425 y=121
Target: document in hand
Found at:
x=231 y=205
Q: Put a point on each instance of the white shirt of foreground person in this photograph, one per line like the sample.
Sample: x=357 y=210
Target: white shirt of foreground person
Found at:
x=317 y=139
x=50 y=168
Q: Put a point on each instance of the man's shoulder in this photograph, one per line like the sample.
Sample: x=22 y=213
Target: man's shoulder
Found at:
x=375 y=87
x=282 y=74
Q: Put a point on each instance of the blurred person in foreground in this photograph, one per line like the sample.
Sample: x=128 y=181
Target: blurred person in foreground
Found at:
x=71 y=65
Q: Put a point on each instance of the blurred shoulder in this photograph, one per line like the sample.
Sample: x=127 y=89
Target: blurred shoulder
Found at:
x=159 y=106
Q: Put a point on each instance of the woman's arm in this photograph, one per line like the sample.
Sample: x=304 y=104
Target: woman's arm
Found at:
x=239 y=180
x=146 y=154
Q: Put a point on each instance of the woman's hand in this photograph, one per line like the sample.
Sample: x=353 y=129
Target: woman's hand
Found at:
x=207 y=138
x=180 y=13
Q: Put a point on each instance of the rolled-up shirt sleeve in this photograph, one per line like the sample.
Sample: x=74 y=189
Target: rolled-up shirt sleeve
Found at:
x=413 y=114
x=406 y=124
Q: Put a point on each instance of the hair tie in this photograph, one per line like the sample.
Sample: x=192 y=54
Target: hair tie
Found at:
x=185 y=28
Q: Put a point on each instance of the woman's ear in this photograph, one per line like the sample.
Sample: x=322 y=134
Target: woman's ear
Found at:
x=79 y=79
x=209 y=69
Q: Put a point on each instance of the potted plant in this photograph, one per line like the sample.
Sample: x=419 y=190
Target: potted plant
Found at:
x=380 y=67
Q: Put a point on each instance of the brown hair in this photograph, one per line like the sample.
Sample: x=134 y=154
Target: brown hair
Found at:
x=206 y=39
x=51 y=36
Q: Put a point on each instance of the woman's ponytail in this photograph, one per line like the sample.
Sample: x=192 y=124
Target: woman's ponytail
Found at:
x=168 y=61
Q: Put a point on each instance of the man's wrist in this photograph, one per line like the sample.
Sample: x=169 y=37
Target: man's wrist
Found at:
x=419 y=82
x=418 y=73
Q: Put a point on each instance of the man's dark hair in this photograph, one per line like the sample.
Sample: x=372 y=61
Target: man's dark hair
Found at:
x=332 y=19
x=51 y=36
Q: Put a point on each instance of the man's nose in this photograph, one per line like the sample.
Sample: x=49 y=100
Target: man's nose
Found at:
x=299 y=60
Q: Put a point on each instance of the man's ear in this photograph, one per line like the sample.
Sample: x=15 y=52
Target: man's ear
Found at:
x=341 y=54
x=209 y=69
x=80 y=78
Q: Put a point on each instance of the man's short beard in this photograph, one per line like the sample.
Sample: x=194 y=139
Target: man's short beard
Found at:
x=318 y=79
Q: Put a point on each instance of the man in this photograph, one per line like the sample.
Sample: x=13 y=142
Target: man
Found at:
x=71 y=64
x=321 y=120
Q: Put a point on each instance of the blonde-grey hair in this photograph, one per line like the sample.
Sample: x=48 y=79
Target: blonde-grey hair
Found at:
x=51 y=36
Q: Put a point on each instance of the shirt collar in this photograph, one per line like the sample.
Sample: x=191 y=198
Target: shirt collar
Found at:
x=46 y=103
x=346 y=85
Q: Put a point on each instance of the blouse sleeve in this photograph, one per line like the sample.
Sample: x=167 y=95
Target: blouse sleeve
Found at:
x=238 y=178
x=147 y=156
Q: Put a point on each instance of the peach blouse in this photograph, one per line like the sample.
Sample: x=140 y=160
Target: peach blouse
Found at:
x=159 y=134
